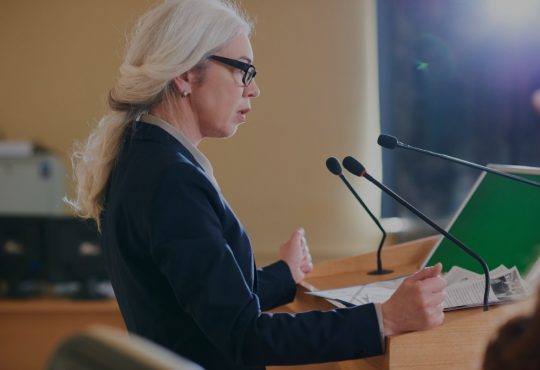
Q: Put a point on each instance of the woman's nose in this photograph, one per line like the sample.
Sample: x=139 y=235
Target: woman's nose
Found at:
x=252 y=90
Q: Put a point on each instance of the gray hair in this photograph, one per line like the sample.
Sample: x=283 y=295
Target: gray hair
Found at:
x=170 y=39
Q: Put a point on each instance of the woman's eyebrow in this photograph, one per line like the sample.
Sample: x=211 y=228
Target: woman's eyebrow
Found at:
x=246 y=59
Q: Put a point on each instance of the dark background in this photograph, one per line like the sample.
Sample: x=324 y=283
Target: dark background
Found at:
x=456 y=77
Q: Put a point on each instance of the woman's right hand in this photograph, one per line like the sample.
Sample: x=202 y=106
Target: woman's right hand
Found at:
x=417 y=304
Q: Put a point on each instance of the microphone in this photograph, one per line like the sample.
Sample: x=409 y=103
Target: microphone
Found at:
x=356 y=168
x=333 y=166
x=391 y=142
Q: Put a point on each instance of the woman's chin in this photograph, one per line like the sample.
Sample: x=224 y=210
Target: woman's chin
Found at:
x=228 y=132
x=234 y=127
x=232 y=131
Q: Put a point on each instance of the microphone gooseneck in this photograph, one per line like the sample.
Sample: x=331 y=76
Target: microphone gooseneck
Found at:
x=333 y=166
x=390 y=142
x=356 y=168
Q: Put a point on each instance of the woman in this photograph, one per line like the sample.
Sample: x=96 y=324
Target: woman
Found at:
x=179 y=260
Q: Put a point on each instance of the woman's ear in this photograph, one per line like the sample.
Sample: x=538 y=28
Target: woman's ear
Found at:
x=183 y=83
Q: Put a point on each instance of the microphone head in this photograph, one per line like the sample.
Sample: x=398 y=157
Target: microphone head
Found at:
x=353 y=166
x=387 y=141
x=333 y=166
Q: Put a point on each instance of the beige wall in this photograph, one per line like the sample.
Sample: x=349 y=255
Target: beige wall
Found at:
x=317 y=72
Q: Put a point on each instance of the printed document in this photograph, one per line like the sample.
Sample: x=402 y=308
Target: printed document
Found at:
x=464 y=289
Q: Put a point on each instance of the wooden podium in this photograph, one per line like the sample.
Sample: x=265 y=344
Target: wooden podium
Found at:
x=457 y=344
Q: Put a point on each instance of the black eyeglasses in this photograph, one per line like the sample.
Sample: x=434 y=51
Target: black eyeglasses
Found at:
x=249 y=69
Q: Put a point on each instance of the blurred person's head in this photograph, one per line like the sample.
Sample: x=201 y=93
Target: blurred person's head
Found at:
x=516 y=345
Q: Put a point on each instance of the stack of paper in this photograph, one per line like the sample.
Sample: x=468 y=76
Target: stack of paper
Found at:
x=465 y=289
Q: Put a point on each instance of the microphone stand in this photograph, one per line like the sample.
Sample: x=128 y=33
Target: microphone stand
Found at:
x=380 y=270
x=333 y=166
x=354 y=167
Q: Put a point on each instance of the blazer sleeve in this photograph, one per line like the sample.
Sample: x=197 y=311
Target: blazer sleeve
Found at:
x=275 y=285
x=188 y=246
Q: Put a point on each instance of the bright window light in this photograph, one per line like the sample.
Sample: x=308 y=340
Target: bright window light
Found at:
x=516 y=14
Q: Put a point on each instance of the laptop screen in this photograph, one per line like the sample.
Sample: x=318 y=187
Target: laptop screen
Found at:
x=499 y=220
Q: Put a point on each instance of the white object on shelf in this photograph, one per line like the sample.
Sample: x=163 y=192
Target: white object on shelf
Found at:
x=16 y=148
x=32 y=185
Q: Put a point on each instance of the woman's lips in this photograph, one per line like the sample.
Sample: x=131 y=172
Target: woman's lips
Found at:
x=243 y=113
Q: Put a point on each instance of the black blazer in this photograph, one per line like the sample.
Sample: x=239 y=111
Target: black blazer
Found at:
x=184 y=276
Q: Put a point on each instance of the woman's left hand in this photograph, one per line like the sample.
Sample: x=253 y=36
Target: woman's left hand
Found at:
x=295 y=252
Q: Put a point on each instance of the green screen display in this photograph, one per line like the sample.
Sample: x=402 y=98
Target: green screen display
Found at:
x=500 y=221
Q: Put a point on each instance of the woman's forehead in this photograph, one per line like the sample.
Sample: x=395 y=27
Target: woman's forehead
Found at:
x=238 y=48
